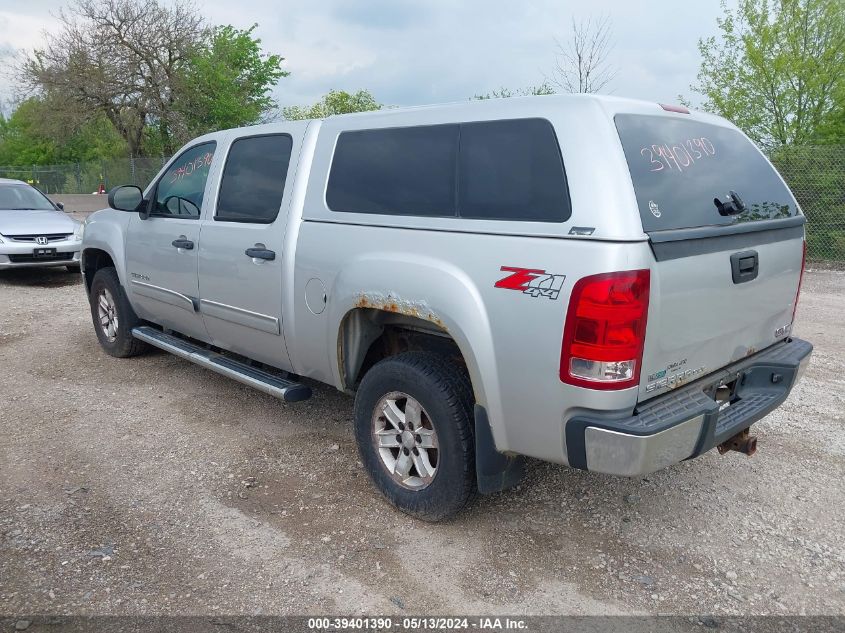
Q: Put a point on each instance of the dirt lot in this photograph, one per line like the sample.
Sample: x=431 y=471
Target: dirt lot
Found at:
x=151 y=486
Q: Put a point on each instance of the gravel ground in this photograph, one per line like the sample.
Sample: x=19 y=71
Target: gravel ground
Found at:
x=151 y=486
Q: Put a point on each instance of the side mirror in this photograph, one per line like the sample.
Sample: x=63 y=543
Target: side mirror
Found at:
x=60 y=206
x=126 y=198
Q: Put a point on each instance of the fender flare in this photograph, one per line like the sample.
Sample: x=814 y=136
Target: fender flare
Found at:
x=433 y=290
x=106 y=231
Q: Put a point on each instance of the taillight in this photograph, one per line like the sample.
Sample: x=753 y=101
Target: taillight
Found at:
x=800 y=280
x=605 y=330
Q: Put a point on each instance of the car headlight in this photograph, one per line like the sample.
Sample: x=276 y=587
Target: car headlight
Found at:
x=79 y=232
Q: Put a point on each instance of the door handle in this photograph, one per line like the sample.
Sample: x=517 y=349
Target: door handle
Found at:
x=747 y=264
x=259 y=251
x=744 y=266
x=182 y=242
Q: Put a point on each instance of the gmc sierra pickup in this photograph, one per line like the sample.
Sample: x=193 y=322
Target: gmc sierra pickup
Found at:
x=593 y=281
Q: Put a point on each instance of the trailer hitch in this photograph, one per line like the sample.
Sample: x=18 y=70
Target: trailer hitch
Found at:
x=742 y=442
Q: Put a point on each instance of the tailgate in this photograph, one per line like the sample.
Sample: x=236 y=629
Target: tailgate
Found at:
x=727 y=237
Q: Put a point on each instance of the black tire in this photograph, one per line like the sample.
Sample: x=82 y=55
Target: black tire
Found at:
x=124 y=344
x=445 y=393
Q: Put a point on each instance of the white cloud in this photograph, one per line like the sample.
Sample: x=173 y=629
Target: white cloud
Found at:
x=412 y=52
x=19 y=30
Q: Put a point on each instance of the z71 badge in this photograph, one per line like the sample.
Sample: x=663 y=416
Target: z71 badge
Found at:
x=536 y=283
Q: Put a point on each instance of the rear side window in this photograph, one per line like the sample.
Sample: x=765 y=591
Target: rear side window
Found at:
x=492 y=170
x=680 y=167
x=512 y=170
x=396 y=171
x=253 y=180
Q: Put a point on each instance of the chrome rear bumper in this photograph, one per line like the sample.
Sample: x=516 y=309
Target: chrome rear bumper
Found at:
x=688 y=421
x=632 y=455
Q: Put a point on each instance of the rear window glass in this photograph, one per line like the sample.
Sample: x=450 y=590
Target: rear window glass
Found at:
x=680 y=167
x=489 y=170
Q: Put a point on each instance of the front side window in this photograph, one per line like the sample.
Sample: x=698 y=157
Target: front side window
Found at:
x=180 y=191
x=254 y=179
x=489 y=170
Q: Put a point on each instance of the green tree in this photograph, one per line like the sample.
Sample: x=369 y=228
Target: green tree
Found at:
x=335 y=102
x=228 y=81
x=21 y=142
x=154 y=69
x=504 y=93
x=776 y=68
x=832 y=130
x=30 y=136
x=118 y=58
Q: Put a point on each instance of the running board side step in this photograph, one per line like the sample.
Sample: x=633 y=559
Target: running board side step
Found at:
x=276 y=386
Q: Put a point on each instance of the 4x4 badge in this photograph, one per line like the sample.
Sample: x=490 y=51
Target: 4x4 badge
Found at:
x=533 y=282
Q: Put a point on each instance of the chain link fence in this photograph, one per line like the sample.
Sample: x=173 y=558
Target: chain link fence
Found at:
x=88 y=176
x=815 y=174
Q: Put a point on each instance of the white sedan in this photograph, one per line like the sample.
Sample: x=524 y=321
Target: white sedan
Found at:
x=34 y=232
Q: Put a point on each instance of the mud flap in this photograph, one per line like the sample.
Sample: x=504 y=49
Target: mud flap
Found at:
x=495 y=471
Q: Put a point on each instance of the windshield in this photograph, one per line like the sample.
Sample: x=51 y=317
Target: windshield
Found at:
x=687 y=173
x=17 y=197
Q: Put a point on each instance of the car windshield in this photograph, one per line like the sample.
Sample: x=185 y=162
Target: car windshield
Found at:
x=23 y=197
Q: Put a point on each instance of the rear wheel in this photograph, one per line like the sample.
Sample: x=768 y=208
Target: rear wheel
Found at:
x=413 y=425
x=113 y=316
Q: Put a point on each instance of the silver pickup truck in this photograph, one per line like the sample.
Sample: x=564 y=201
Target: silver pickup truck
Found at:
x=597 y=282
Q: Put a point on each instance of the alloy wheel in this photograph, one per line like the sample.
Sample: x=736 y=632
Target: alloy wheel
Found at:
x=406 y=441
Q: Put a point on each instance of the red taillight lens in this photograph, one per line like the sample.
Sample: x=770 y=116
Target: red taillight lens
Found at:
x=605 y=330
x=800 y=280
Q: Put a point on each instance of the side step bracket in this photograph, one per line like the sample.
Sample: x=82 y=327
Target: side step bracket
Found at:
x=276 y=386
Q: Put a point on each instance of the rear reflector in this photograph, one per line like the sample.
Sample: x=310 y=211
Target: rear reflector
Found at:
x=605 y=330
x=674 y=108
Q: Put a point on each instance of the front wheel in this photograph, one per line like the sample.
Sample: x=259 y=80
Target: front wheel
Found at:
x=413 y=425
x=113 y=316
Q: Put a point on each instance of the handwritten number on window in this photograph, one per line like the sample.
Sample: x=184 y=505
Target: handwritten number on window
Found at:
x=656 y=165
x=678 y=156
x=191 y=167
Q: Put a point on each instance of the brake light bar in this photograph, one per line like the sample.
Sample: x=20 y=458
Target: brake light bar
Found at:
x=674 y=108
x=605 y=330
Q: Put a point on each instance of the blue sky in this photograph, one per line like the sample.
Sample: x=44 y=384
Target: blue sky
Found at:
x=409 y=53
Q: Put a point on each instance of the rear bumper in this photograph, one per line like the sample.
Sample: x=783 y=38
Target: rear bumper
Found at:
x=688 y=421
